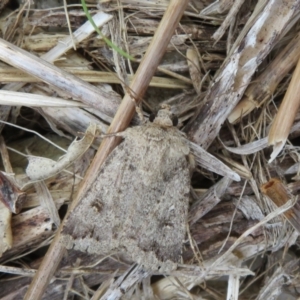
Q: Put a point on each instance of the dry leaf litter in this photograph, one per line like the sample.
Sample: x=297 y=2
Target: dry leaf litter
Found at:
x=229 y=69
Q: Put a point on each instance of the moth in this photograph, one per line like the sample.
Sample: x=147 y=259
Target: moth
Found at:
x=138 y=204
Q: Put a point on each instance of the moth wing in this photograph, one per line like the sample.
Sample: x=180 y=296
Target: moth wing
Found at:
x=90 y=226
x=155 y=223
x=138 y=204
x=165 y=210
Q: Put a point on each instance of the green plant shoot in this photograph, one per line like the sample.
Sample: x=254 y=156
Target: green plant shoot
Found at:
x=107 y=41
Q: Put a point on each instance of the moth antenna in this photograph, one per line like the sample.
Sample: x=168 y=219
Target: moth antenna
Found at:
x=138 y=105
x=105 y=135
x=139 y=111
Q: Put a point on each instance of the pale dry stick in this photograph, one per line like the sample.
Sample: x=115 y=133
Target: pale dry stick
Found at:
x=192 y=276
x=5 y=156
x=54 y=76
x=266 y=83
x=12 y=75
x=175 y=75
x=17 y=271
x=235 y=75
x=194 y=69
x=232 y=13
x=77 y=88
x=7 y=189
x=250 y=22
x=208 y=200
x=63 y=46
x=234 y=284
x=35 y=100
x=285 y=117
x=66 y=44
x=122 y=119
x=124 y=283
x=217 y=7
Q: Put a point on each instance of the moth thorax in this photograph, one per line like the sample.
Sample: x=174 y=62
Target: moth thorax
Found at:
x=165 y=118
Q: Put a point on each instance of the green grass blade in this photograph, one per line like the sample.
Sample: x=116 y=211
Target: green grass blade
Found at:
x=107 y=41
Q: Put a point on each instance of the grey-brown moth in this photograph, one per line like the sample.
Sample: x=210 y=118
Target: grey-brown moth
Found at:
x=138 y=204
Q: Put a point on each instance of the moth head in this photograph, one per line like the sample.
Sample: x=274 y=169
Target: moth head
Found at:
x=164 y=117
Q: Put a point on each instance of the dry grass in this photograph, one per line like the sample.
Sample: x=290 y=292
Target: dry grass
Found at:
x=225 y=73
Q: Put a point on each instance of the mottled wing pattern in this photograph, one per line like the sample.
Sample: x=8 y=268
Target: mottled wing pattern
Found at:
x=138 y=204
